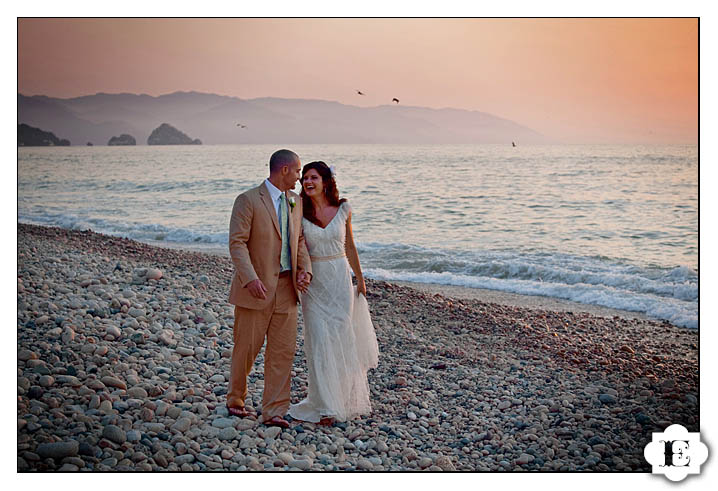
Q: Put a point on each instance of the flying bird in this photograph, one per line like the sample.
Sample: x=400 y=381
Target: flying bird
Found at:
x=360 y=92
x=513 y=144
x=241 y=125
x=395 y=100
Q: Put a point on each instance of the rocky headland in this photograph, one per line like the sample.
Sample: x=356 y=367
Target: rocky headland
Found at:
x=28 y=136
x=123 y=139
x=166 y=134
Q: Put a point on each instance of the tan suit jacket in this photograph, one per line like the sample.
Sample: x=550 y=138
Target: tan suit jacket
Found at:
x=255 y=244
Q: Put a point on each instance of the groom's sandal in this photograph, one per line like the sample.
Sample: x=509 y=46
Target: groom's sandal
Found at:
x=240 y=412
x=277 y=421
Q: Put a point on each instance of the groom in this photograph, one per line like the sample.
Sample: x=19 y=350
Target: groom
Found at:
x=271 y=265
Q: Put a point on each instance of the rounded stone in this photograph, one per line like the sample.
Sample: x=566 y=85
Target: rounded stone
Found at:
x=114 y=331
x=113 y=382
x=147 y=414
x=272 y=432
x=25 y=354
x=58 y=450
x=285 y=457
x=47 y=381
x=525 y=458
x=302 y=464
x=182 y=425
x=425 y=462
x=114 y=433
x=607 y=399
x=135 y=312
x=35 y=392
x=68 y=335
x=133 y=436
x=184 y=459
x=184 y=351
x=23 y=383
x=246 y=442
x=228 y=434
x=222 y=423
x=445 y=463
x=137 y=392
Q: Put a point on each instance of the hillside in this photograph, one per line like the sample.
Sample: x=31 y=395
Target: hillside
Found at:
x=216 y=119
x=27 y=136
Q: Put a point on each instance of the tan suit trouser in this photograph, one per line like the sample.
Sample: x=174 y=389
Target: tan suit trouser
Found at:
x=278 y=323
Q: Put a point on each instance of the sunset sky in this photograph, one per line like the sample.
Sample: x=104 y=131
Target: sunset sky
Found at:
x=574 y=80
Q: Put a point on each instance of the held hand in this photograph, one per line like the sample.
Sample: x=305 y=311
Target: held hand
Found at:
x=361 y=286
x=257 y=289
x=303 y=280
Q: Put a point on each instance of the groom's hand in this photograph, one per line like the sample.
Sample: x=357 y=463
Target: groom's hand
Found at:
x=303 y=280
x=257 y=289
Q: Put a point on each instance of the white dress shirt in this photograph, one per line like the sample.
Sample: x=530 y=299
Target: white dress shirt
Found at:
x=276 y=194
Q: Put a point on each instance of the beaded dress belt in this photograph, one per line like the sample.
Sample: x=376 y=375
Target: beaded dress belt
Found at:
x=327 y=258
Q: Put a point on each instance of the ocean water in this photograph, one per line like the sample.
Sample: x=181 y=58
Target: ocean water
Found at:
x=615 y=226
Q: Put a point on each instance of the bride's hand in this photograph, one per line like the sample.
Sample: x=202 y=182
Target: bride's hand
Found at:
x=303 y=280
x=361 y=286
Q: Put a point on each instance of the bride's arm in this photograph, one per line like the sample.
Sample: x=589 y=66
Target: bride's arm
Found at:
x=353 y=257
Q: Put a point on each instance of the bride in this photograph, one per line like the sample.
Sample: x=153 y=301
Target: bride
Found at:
x=339 y=339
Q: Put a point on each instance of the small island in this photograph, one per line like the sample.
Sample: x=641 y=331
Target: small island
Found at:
x=27 y=136
x=123 y=139
x=166 y=134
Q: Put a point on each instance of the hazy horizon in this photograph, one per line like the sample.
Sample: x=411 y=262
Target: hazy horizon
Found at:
x=573 y=80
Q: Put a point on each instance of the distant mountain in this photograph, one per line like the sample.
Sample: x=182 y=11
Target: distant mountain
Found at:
x=219 y=119
x=27 y=136
x=54 y=115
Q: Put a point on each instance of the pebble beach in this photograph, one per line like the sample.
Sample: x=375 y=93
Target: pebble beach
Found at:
x=124 y=351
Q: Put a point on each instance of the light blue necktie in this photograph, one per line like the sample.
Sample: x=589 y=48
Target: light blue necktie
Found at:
x=285 y=262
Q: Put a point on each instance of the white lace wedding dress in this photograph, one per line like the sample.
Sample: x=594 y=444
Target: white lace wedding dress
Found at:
x=339 y=339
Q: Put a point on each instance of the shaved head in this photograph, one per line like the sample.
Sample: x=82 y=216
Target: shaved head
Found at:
x=281 y=158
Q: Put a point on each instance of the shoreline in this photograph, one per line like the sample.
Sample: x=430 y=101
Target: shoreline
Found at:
x=124 y=351
x=535 y=302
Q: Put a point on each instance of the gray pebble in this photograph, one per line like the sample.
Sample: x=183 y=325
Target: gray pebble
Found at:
x=223 y=423
x=58 y=450
x=607 y=398
x=184 y=459
x=228 y=434
x=114 y=433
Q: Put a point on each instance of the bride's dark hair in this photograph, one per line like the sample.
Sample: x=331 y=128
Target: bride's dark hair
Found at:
x=330 y=190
